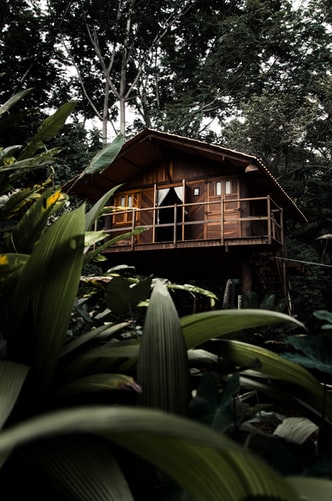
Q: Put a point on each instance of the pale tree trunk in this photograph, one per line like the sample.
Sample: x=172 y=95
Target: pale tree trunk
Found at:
x=124 y=92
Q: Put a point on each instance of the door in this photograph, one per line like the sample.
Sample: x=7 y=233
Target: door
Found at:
x=223 y=209
x=170 y=214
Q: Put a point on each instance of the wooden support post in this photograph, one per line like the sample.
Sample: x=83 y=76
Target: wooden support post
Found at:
x=246 y=281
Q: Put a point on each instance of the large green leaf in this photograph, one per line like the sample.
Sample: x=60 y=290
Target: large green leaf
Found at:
x=99 y=382
x=16 y=201
x=97 y=209
x=109 y=357
x=77 y=468
x=12 y=377
x=98 y=333
x=42 y=302
x=49 y=128
x=316 y=352
x=28 y=230
x=312 y=489
x=200 y=327
x=122 y=297
x=104 y=157
x=13 y=100
x=276 y=367
x=163 y=368
x=45 y=158
x=101 y=248
x=11 y=266
x=205 y=463
x=212 y=407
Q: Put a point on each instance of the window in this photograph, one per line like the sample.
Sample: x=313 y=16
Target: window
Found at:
x=223 y=188
x=123 y=205
x=228 y=187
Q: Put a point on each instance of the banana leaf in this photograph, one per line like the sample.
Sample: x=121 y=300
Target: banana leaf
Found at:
x=203 y=462
x=49 y=128
x=201 y=327
x=104 y=157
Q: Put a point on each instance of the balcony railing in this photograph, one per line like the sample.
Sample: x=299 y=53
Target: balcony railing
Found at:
x=232 y=221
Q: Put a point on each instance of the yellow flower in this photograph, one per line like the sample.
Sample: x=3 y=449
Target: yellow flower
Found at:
x=52 y=199
x=3 y=260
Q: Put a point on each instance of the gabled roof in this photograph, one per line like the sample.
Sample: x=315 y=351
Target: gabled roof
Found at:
x=142 y=150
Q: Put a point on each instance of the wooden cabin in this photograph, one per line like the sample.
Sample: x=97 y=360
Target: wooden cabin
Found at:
x=209 y=213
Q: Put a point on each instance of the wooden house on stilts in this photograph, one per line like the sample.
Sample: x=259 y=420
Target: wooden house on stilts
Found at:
x=210 y=213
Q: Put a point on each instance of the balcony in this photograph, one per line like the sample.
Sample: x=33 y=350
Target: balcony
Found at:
x=223 y=222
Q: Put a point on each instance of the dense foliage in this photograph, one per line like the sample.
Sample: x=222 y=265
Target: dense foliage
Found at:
x=107 y=394
x=253 y=76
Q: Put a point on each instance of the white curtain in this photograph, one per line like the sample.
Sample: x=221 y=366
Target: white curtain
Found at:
x=163 y=192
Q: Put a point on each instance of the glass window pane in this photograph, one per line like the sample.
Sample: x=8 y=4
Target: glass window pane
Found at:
x=228 y=187
x=218 y=188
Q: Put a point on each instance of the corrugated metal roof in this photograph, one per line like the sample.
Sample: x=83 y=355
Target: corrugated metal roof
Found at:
x=142 y=150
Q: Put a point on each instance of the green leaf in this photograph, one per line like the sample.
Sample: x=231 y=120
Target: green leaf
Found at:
x=116 y=357
x=6 y=152
x=77 y=468
x=202 y=461
x=99 y=382
x=122 y=297
x=201 y=327
x=324 y=315
x=16 y=201
x=12 y=377
x=311 y=489
x=49 y=128
x=11 y=266
x=101 y=248
x=104 y=157
x=13 y=100
x=46 y=292
x=45 y=158
x=317 y=352
x=98 y=333
x=163 y=368
x=98 y=207
x=212 y=407
x=278 y=368
x=27 y=232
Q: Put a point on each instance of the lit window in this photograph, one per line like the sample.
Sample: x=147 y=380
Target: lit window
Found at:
x=228 y=187
x=218 y=188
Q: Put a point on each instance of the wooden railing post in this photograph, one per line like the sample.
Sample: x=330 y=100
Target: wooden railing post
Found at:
x=222 y=219
x=133 y=227
x=269 y=219
x=174 y=224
